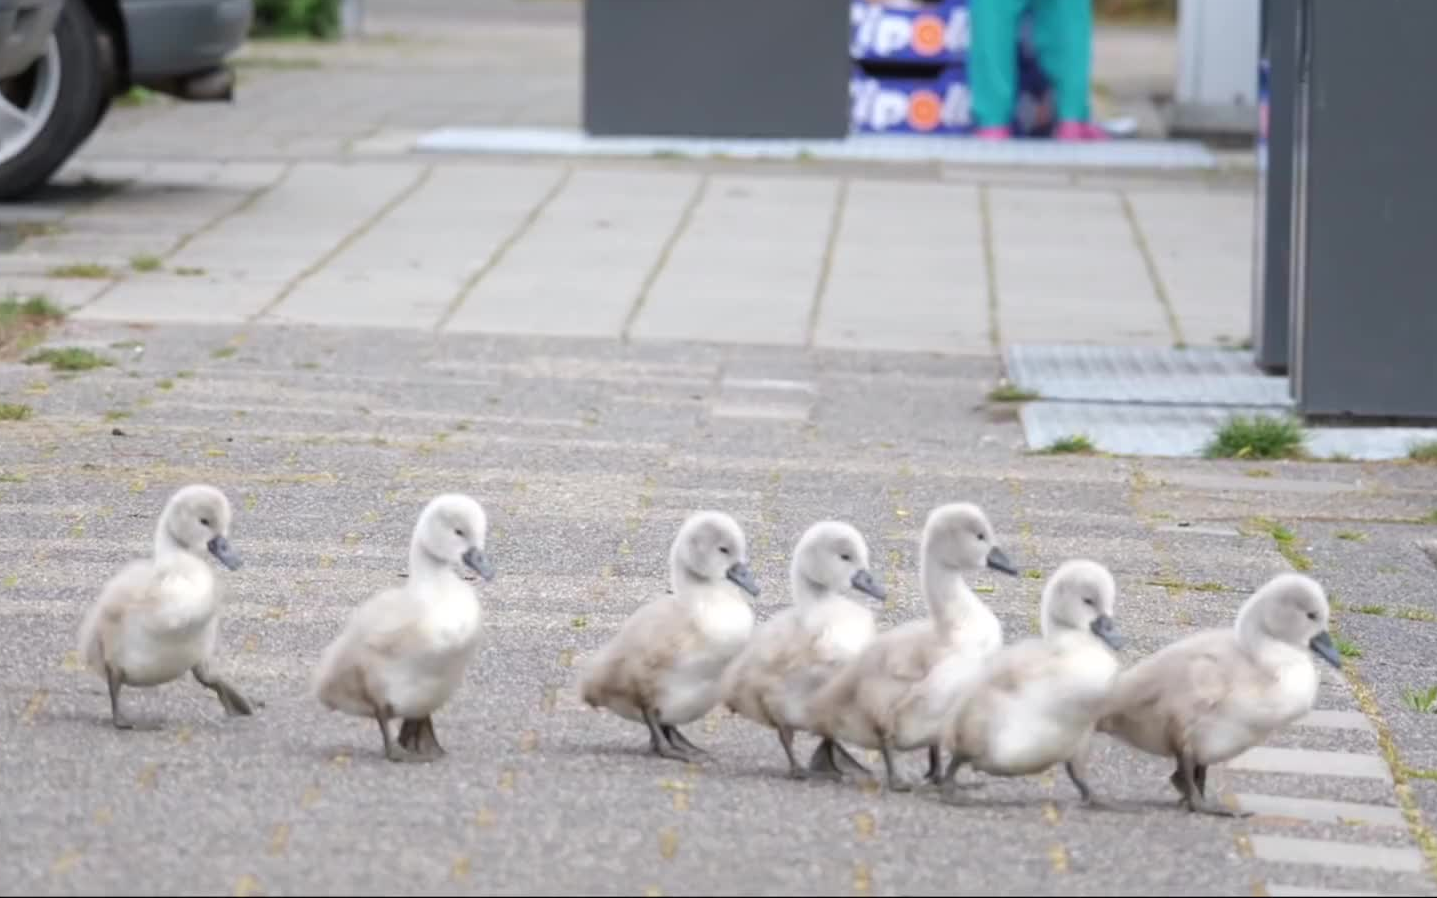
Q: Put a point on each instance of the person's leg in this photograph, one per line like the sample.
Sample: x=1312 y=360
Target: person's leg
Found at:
x=993 y=62
x=1063 y=39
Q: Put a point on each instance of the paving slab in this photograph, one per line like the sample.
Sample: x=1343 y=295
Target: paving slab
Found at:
x=748 y=266
x=1336 y=854
x=585 y=260
x=1321 y=763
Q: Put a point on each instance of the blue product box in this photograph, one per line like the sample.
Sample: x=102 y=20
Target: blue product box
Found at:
x=938 y=104
x=942 y=103
x=937 y=34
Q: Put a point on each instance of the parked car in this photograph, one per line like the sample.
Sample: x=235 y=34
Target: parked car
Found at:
x=63 y=61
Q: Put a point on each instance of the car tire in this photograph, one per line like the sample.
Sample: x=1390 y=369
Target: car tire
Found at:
x=74 y=51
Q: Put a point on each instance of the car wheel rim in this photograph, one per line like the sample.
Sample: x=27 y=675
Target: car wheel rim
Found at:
x=27 y=101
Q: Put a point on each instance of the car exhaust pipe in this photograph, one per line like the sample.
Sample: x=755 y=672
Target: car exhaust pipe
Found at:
x=211 y=85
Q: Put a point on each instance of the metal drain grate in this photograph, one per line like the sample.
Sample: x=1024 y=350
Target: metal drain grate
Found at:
x=1145 y=375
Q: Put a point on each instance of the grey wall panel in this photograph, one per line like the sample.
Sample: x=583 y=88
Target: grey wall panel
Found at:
x=1366 y=329
x=716 y=68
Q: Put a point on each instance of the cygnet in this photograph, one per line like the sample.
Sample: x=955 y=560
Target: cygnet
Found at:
x=403 y=653
x=1213 y=695
x=799 y=649
x=1037 y=701
x=664 y=666
x=159 y=617
x=896 y=694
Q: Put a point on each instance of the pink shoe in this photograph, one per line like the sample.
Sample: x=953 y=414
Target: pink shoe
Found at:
x=1079 y=131
x=996 y=132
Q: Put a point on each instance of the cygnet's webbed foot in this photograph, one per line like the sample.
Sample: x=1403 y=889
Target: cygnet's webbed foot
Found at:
x=1179 y=781
x=681 y=742
x=831 y=760
x=416 y=736
x=660 y=742
x=1203 y=806
x=397 y=751
x=948 y=784
x=1191 y=780
x=235 y=705
x=405 y=756
x=823 y=763
x=846 y=762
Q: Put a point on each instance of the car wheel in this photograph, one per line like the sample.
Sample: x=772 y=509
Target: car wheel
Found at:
x=48 y=110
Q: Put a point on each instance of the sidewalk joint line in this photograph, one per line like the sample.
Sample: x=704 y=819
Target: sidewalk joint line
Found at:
x=503 y=248
x=685 y=218
x=990 y=268
x=835 y=226
x=243 y=205
x=343 y=244
x=1151 y=263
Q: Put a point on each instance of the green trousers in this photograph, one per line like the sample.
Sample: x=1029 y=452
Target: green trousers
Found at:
x=1062 y=38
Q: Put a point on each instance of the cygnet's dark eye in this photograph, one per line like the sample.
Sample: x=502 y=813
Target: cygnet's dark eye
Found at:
x=982 y=538
x=723 y=549
x=1312 y=615
x=846 y=557
x=204 y=522
x=459 y=532
x=1090 y=603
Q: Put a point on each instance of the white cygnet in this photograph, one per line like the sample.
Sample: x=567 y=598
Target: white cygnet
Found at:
x=799 y=649
x=663 y=667
x=404 y=651
x=1209 y=697
x=158 y=618
x=1037 y=701
x=896 y=694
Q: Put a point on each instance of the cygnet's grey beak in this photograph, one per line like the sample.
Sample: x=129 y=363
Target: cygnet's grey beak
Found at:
x=1107 y=631
x=478 y=562
x=739 y=573
x=1322 y=645
x=999 y=562
x=220 y=548
x=863 y=582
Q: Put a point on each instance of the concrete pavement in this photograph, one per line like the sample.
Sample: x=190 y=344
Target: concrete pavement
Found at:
x=738 y=254
x=588 y=454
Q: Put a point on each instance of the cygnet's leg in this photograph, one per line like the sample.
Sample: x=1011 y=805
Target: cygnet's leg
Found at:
x=236 y=705
x=948 y=782
x=823 y=762
x=846 y=762
x=426 y=742
x=658 y=741
x=1194 y=798
x=409 y=734
x=1199 y=778
x=116 y=680
x=680 y=741
x=392 y=750
x=785 y=738
x=896 y=783
x=1077 y=768
x=830 y=759
x=935 y=764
